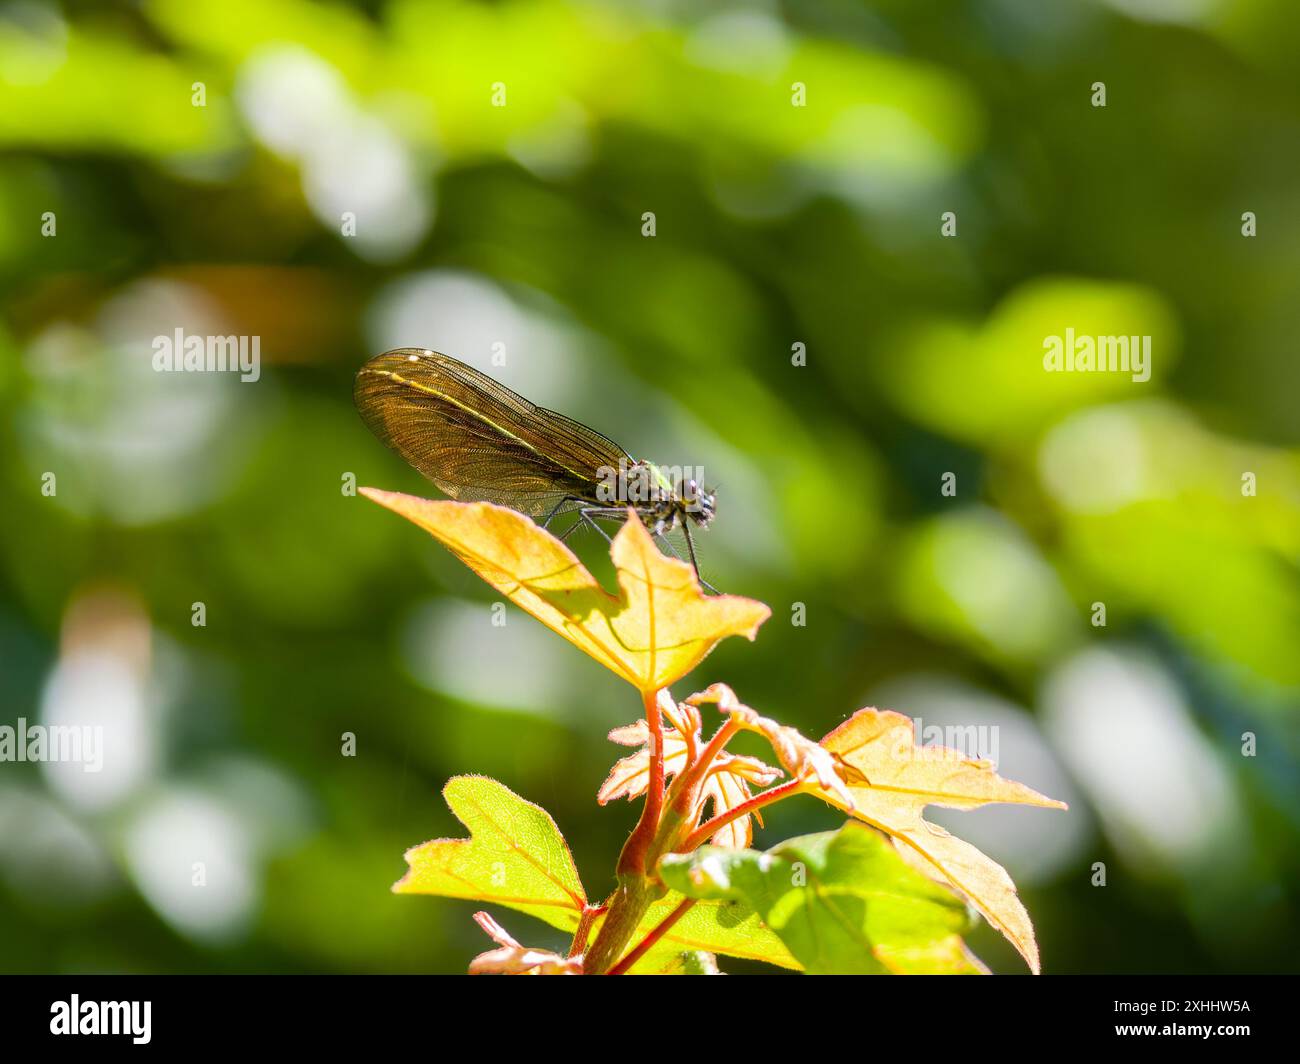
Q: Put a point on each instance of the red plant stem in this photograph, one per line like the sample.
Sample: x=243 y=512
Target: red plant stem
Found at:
x=685 y=784
x=720 y=739
x=655 y=796
x=635 y=850
x=647 y=943
x=706 y=831
x=588 y=917
x=636 y=892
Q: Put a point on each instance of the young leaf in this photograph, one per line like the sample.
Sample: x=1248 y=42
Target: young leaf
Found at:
x=727 y=784
x=515 y=856
x=844 y=902
x=631 y=775
x=659 y=627
x=899 y=779
x=801 y=757
x=513 y=959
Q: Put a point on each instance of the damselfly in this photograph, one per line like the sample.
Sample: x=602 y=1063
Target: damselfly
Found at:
x=479 y=441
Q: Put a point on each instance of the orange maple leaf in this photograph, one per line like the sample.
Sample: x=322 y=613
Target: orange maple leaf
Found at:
x=656 y=630
x=900 y=779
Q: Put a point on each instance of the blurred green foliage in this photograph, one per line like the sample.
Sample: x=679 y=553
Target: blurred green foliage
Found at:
x=521 y=226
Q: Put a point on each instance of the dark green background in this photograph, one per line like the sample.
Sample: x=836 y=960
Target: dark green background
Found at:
x=522 y=225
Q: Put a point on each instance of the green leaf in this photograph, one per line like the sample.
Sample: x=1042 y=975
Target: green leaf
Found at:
x=515 y=856
x=722 y=925
x=843 y=902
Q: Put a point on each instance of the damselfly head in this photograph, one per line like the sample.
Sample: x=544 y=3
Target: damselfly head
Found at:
x=700 y=503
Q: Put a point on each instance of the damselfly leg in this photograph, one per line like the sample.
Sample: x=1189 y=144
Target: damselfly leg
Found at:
x=591 y=515
x=690 y=547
